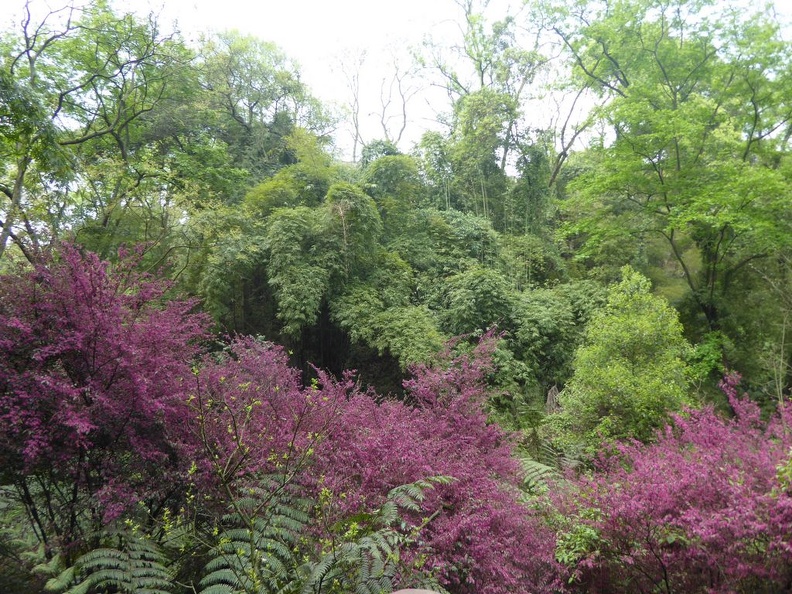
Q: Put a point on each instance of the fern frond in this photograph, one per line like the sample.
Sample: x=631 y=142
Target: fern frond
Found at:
x=411 y=495
x=535 y=476
x=52 y=567
x=369 y=564
x=61 y=581
x=257 y=544
x=138 y=565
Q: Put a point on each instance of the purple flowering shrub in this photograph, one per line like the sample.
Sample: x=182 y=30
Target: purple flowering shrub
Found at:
x=348 y=450
x=482 y=539
x=109 y=412
x=704 y=509
x=93 y=362
x=254 y=418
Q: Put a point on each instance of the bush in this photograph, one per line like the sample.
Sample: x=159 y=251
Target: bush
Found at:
x=707 y=508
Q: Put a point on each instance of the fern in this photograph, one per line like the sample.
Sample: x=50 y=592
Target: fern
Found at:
x=369 y=564
x=261 y=545
x=21 y=547
x=543 y=463
x=258 y=541
x=136 y=565
x=536 y=475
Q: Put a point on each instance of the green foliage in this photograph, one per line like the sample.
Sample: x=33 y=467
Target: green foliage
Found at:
x=264 y=546
x=529 y=261
x=784 y=474
x=75 y=93
x=576 y=538
x=394 y=183
x=476 y=299
x=257 y=97
x=20 y=548
x=232 y=246
x=258 y=541
x=135 y=564
x=297 y=270
x=443 y=242
x=355 y=226
x=487 y=76
x=303 y=183
x=550 y=326
x=376 y=150
x=536 y=476
x=366 y=559
x=630 y=372
x=691 y=154
x=528 y=206
x=408 y=332
x=313 y=252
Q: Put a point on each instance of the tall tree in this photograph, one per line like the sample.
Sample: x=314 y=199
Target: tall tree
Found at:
x=79 y=78
x=697 y=134
x=488 y=76
x=256 y=98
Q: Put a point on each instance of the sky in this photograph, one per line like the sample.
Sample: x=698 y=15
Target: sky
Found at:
x=325 y=37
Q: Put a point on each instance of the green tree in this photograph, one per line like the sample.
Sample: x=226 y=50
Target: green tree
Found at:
x=630 y=371
x=256 y=99
x=476 y=299
x=74 y=88
x=377 y=149
x=550 y=326
x=481 y=123
x=492 y=56
x=489 y=76
x=303 y=182
x=697 y=120
x=396 y=186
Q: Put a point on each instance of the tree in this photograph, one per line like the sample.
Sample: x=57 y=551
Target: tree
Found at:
x=476 y=299
x=237 y=244
x=94 y=409
x=630 y=372
x=490 y=56
x=80 y=78
x=488 y=76
x=480 y=124
x=697 y=123
x=395 y=184
x=550 y=327
x=256 y=97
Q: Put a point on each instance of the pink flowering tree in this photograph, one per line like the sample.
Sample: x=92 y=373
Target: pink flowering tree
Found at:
x=108 y=413
x=93 y=409
x=480 y=538
x=348 y=449
x=707 y=508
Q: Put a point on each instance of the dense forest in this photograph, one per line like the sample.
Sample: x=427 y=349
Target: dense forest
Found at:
x=526 y=354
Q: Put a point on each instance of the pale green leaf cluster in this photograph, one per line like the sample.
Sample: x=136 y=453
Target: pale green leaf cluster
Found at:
x=630 y=372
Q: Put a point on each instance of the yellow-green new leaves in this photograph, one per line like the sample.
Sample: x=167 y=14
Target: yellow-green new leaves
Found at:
x=630 y=372
x=695 y=129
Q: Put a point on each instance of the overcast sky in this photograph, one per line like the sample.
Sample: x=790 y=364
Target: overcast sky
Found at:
x=318 y=34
